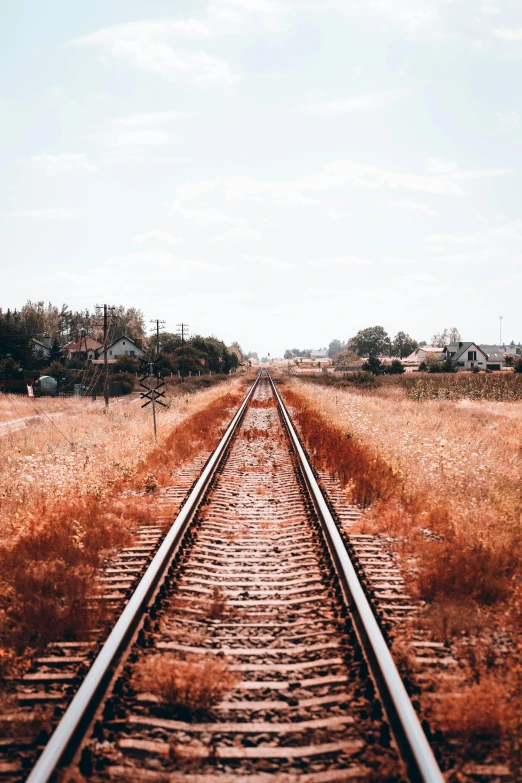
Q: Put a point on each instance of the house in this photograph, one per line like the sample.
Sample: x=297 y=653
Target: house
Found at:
x=512 y=350
x=496 y=359
x=42 y=348
x=123 y=346
x=321 y=353
x=467 y=355
x=84 y=348
x=423 y=351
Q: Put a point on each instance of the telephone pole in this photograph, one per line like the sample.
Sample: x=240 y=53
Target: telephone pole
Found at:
x=183 y=330
x=108 y=313
x=157 y=322
x=500 y=318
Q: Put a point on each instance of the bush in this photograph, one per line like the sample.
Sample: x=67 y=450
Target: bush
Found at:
x=125 y=364
x=395 y=368
x=373 y=365
x=518 y=365
x=360 y=379
x=127 y=380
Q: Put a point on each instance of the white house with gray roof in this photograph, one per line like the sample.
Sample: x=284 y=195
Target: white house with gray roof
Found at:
x=470 y=355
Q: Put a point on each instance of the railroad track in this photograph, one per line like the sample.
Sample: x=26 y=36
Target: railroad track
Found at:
x=253 y=598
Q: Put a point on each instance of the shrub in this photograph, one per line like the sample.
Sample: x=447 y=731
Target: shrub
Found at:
x=395 y=368
x=127 y=381
x=518 y=365
x=187 y=688
x=373 y=365
x=126 y=364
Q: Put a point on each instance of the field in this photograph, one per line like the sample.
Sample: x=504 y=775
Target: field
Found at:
x=442 y=477
x=71 y=485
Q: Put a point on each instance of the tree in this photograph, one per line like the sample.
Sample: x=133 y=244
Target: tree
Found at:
x=335 y=347
x=373 y=365
x=15 y=342
x=518 y=365
x=373 y=341
x=446 y=337
x=56 y=354
x=403 y=345
x=252 y=355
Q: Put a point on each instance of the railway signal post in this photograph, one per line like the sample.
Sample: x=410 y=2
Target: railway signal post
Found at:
x=153 y=392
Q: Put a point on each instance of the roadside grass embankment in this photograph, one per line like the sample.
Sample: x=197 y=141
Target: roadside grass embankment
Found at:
x=65 y=500
x=442 y=478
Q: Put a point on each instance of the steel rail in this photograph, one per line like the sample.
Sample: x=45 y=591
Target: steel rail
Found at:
x=411 y=739
x=67 y=734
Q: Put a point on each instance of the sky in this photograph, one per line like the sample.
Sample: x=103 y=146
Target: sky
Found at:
x=276 y=172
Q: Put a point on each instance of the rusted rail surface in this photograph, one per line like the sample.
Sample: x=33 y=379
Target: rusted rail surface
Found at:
x=253 y=570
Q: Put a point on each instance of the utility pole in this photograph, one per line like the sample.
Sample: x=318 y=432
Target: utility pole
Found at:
x=500 y=318
x=183 y=332
x=151 y=376
x=157 y=322
x=108 y=312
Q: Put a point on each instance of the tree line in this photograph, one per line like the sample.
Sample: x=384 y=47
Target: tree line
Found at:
x=193 y=356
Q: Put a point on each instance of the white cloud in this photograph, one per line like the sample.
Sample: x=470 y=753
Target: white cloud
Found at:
x=355 y=103
x=509 y=33
x=413 y=206
x=455 y=239
x=157 y=258
x=156 y=235
x=156 y=28
x=487 y=8
x=142 y=138
x=160 y=47
x=239 y=232
x=268 y=261
x=145 y=119
x=338 y=174
x=206 y=216
x=340 y=261
x=53 y=213
x=333 y=214
x=61 y=163
x=509 y=118
x=398 y=260
x=451 y=171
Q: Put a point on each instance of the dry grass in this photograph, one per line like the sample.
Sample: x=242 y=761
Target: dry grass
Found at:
x=188 y=688
x=366 y=475
x=63 y=508
x=496 y=386
x=445 y=477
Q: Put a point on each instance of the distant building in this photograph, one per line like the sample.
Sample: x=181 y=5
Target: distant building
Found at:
x=42 y=348
x=495 y=357
x=123 y=346
x=420 y=353
x=321 y=353
x=84 y=348
x=470 y=355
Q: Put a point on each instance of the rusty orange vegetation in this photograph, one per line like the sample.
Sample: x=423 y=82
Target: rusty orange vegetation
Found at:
x=468 y=571
x=369 y=477
x=46 y=583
